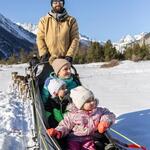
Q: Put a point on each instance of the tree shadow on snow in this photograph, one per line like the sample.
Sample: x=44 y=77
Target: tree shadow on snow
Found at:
x=136 y=126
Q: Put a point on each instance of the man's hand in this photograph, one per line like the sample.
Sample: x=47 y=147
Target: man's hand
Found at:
x=68 y=58
x=44 y=57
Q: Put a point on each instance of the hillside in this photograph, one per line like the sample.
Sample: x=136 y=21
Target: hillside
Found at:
x=13 y=38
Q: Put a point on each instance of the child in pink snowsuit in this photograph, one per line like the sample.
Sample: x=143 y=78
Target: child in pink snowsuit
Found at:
x=82 y=120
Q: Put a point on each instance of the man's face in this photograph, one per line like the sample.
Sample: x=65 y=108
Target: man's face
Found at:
x=57 y=6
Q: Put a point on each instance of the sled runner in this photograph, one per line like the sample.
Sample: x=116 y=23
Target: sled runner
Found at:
x=41 y=138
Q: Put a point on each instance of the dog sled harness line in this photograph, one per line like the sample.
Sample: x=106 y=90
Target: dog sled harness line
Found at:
x=133 y=145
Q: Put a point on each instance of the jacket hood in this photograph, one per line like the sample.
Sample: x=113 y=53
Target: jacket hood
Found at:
x=59 y=16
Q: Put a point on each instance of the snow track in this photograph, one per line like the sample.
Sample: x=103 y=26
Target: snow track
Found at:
x=15 y=115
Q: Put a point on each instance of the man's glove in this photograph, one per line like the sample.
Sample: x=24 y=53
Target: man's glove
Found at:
x=102 y=126
x=68 y=58
x=53 y=132
x=44 y=57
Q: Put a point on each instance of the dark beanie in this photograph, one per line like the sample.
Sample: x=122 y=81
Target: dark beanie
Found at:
x=56 y=0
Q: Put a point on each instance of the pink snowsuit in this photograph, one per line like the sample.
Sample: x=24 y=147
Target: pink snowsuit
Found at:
x=80 y=125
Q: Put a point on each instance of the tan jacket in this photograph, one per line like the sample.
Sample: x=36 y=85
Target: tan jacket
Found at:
x=59 y=38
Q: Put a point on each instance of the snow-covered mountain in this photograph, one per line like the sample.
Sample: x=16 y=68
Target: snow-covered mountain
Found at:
x=28 y=26
x=13 y=38
x=85 y=41
x=128 y=39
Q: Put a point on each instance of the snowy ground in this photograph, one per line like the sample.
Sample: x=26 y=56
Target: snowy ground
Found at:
x=124 y=89
x=15 y=116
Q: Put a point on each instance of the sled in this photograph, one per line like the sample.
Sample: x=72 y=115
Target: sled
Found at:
x=41 y=138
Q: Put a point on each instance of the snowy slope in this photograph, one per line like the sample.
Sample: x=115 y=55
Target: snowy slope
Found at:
x=123 y=89
x=28 y=26
x=16 y=30
x=13 y=38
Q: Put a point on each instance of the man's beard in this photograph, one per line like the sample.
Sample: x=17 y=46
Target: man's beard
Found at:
x=58 y=10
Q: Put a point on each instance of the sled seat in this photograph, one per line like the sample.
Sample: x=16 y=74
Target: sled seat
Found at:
x=47 y=69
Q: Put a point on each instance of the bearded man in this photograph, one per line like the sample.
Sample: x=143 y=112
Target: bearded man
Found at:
x=57 y=34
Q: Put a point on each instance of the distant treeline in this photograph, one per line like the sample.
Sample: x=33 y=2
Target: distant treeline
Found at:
x=107 y=52
x=22 y=57
x=95 y=52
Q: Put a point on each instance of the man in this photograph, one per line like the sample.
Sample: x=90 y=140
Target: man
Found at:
x=57 y=33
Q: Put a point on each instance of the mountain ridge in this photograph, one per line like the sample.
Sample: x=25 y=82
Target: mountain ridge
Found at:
x=16 y=36
x=13 y=38
x=120 y=45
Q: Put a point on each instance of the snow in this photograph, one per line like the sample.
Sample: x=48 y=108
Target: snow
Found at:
x=140 y=36
x=28 y=26
x=128 y=39
x=119 y=45
x=15 y=116
x=13 y=28
x=123 y=89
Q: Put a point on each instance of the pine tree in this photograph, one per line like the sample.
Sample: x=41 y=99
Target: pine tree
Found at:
x=90 y=51
x=95 y=52
x=145 y=52
x=128 y=53
x=12 y=59
x=137 y=52
x=110 y=52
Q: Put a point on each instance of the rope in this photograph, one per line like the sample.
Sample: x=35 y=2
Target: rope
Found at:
x=131 y=146
x=53 y=141
x=58 y=148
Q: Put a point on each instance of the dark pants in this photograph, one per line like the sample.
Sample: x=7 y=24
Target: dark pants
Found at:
x=100 y=141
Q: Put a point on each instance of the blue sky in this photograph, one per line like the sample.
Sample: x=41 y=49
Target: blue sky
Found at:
x=97 y=19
